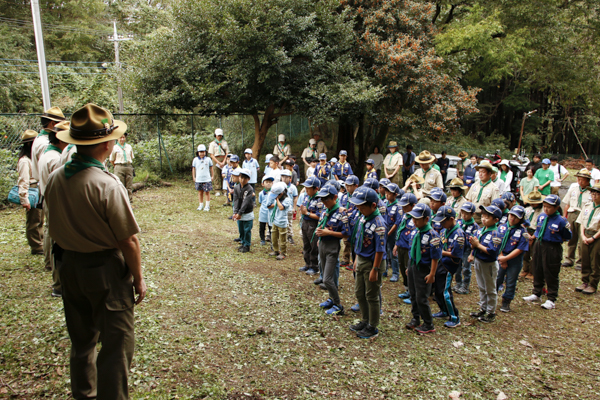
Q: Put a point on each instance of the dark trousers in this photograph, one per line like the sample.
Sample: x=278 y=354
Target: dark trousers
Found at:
x=310 y=250
x=444 y=177
x=419 y=292
x=97 y=293
x=262 y=227
x=443 y=292
x=329 y=251
x=548 y=257
x=245 y=230
x=590 y=263
x=403 y=261
x=405 y=175
x=34 y=228
x=391 y=260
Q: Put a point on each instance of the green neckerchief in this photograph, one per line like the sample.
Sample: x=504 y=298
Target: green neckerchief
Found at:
x=468 y=222
x=581 y=192
x=281 y=149
x=448 y=234
x=415 y=249
x=124 y=152
x=481 y=188
x=69 y=147
x=506 y=236
x=484 y=231
x=392 y=156
x=323 y=221
x=382 y=197
x=361 y=228
x=403 y=224
x=272 y=217
x=265 y=191
x=52 y=147
x=592 y=214
x=43 y=132
x=79 y=162
x=455 y=200
x=425 y=172
x=503 y=175
x=393 y=202
x=543 y=227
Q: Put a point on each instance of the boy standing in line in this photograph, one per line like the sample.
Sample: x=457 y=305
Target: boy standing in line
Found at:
x=342 y=168
x=535 y=209
x=323 y=169
x=263 y=215
x=352 y=211
x=393 y=216
x=251 y=165
x=310 y=210
x=403 y=240
x=470 y=228
x=278 y=218
x=437 y=199
x=243 y=210
x=457 y=190
x=371 y=172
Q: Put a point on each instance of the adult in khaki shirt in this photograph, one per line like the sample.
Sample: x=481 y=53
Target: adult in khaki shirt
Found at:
x=218 y=150
x=460 y=166
x=483 y=191
x=282 y=150
x=321 y=146
x=97 y=253
x=50 y=118
x=431 y=176
x=122 y=159
x=392 y=164
x=310 y=152
x=589 y=221
x=577 y=195
x=34 y=217
x=457 y=189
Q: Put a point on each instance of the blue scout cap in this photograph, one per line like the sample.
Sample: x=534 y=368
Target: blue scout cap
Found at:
x=371 y=183
x=437 y=195
x=370 y=161
x=234 y=158
x=268 y=177
x=333 y=183
x=343 y=153
x=499 y=203
x=323 y=156
x=333 y=160
x=408 y=198
x=508 y=196
x=493 y=210
x=312 y=181
x=518 y=211
x=420 y=211
x=392 y=187
x=444 y=213
x=552 y=199
x=468 y=207
x=364 y=195
x=384 y=182
x=546 y=161
x=400 y=192
x=352 y=180
x=236 y=172
x=245 y=171
x=327 y=190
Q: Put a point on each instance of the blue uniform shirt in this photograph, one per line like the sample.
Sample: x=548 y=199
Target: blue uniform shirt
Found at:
x=314 y=206
x=393 y=215
x=374 y=238
x=558 y=229
x=371 y=174
x=404 y=238
x=338 y=222
x=469 y=231
x=437 y=226
x=322 y=172
x=383 y=211
x=492 y=241
x=431 y=245
x=253 y=167
x=516 y=239
x=455 y=244
x=263 y=214
x=504 y=219
x=342 y=171
x=344 y=200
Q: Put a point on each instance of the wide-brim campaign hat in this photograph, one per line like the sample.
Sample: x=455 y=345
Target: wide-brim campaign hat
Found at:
x=596 y=187
x=584 y=173
x=485 y=165
x=61 y=126
x=28 y=136
x=425 y=157
x=457 y=183
x=417 y=179
x=54 y=114
x=534 y=197
x=463 y=154
x=92 y=124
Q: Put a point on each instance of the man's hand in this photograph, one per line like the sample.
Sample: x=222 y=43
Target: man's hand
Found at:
x=430 y=278
x=140 y=290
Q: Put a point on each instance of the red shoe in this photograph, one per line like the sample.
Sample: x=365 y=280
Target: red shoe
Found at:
x=294 y=218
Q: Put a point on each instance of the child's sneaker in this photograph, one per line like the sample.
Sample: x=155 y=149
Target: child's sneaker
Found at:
x=413 y=324
x=505 y=307
x=440 y=314
x=245 y=249
x=217 y=194
x=477 y=314
x=405 y=295
x=303 y=269
x=549 y=305
x=311 y=272
x=355 y=308
x=394 y=278
x=424 y=330
x=368 y=333
x=359 y=326
x=327 y=304
x=262 y=243
x=237 y=240
x=452 y=324
x=407 y=301
x=487 y=318
x=531 y=299
x=207 y=208
x=268 y=238
x=199 y=208
x=280 y=257
x=335 y=310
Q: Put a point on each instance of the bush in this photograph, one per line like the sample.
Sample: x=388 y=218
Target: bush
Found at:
x=8 y=172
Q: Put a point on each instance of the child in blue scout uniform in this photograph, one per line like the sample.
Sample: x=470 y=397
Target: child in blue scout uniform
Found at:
x=372 y=183
x=403 y=240
x=371 y=172
x=509 y=200
x=310 y=210
x=333 y=226
x=263 y=214
x=502 y=206
x=369 y=244
x=225 y=173
x=393 y=215
x=470 y=228
x=514 y=245
x=382 y=184
x=437 y=199
x=234 y=162
x=342 y=168
x=243 y=210
x=425 y=253
x=278 y=218
x=484 y=257
x=323 y=169
x=351 y=185
x=453 y=245
x=552 y=230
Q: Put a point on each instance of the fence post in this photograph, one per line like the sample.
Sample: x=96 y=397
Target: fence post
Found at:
x=159 y=148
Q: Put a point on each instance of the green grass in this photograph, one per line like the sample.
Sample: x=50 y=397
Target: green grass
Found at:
x=221 y=325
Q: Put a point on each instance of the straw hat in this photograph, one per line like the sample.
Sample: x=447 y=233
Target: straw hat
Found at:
x=534 y=197
x=463 y=154
x=425 y=157
x=392 y=144
x=457 y=183
x=54 y=114
x=486 y=165
x=28 y=136
x=417 y=179
x=92 y=124
x=584 y=173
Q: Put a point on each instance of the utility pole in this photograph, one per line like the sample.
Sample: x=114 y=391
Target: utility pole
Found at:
x=39 y=44
x=116 y=39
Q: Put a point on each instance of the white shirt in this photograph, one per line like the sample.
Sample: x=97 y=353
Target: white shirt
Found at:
x=501 y=186
x=40 y=143
x=595 y=175
x=276 y=174
x=378 y=158
x=310 y=171
x=558 y=170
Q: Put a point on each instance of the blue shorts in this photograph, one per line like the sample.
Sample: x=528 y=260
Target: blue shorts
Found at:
x=204 y=187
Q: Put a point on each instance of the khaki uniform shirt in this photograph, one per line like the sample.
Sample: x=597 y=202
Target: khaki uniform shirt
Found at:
x=391 y=162
x=456 y=204
x=433 y=178
x=277 y=151
x=37 y=150
x=309 y=153
x=321 y=147
x=47 y=164
x=118 y=154
x=67 y=153
x=216 y=150
x=584 y=217
x=90 y=211
x=532 y=218
x=572 y=198
x=490 y=192
x=25 y=179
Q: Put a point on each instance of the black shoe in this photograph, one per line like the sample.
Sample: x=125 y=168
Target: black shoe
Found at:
x=230 y=217
x=487 y=318
x=358 y=327
x=56 y=293
x=37 y=253
x=318 y=281
x=368 y=333
x=245 y=249
x=237 y=240
x=227 y=205
x=240 y=248
x=322 y=286
x=413 y=324
x=303 y=269
x=424 y=330
x=505 y=307
x=478 y=314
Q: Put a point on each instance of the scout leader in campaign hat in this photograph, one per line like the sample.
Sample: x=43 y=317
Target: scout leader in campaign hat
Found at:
x=28 y=136
x=54 y=114
x=92 y=124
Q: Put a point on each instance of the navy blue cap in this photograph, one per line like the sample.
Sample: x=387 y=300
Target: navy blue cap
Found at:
x=384 y=182
x=392 y=187
x=438 y=195
x=333 y=183
x=312 y=181
x=420 y=211
x=364 y=195
x=371 y=183
x=508 y=196
x=443 y=213
x=327 y=190
x=234 y=158
x=352 y=180
x=518 y=211
x=499 y=203
x=408 y=198
x=323 y=156
x=493 y=210
x=468 y=207
x=552 y=199
x=343 y=153
x=370 y=161
x=400 y=192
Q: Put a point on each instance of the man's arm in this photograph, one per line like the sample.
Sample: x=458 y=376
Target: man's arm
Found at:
x=133 y=258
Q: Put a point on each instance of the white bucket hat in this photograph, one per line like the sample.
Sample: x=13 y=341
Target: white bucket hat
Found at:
x=201 y=147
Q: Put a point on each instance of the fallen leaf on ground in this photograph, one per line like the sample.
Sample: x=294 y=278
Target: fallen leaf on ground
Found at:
x=457 y=345
x=455 y=394
x=501 y=396
x=526 y=343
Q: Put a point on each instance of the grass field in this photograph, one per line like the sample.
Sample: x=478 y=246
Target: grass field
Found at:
x=221 y=325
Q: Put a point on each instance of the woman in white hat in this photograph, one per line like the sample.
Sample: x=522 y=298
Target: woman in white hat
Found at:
x=282 y=150
x=218 y=150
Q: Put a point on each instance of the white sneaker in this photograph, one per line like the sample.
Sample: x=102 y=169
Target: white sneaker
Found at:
x=217 y=194
x=207 y=208
x=199 y=208
x=531 y=298
x=549 y=305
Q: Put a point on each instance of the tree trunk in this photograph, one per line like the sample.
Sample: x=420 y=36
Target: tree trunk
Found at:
x=261 y=128
x=346 y=139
